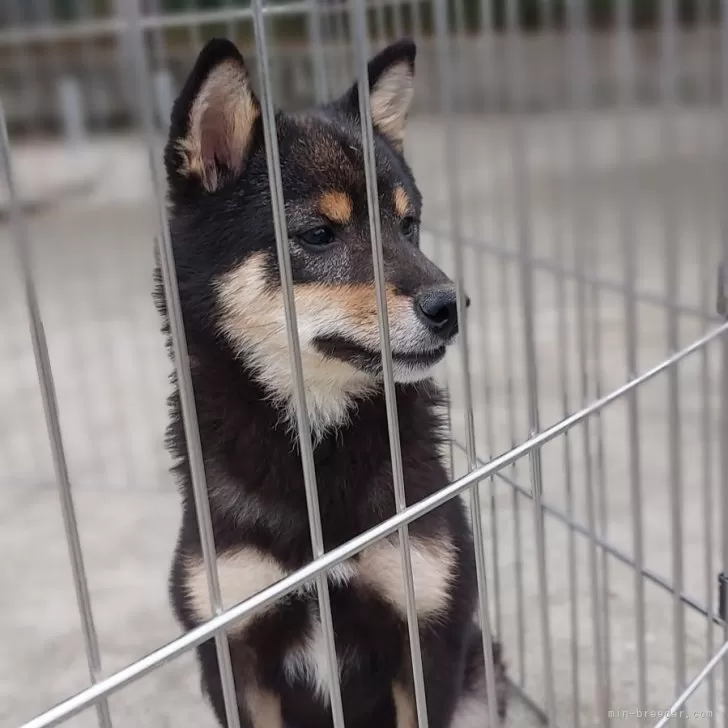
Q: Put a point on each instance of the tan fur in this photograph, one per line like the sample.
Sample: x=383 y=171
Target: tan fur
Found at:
x=404 y=707
x=264 y=708
x=309 y=660
x=220 y=125
x=337 y=207
x=433 y=564
x=391 y=98
x=253 y=319
x=248 y=571
x=401 y=202
x=241 y=575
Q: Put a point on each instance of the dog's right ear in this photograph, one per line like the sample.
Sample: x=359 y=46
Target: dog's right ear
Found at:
x=213 y=121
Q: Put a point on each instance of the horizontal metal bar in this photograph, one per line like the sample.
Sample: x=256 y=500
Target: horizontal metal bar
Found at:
x=694 y=685
x=191 y=639
x=550 y=266
x=610 y=549
x=115 y=26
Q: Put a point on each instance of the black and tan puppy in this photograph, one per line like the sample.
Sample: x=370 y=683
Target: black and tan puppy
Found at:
x=224 y=244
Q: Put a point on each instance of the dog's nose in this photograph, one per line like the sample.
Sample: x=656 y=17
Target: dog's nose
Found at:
x=437 y=309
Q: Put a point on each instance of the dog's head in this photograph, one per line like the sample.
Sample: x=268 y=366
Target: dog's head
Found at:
x=225 y=245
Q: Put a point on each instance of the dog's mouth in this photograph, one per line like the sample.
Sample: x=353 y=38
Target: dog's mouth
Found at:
x=370 y=360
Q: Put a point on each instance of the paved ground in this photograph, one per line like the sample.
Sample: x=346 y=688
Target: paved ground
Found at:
x=93 y=259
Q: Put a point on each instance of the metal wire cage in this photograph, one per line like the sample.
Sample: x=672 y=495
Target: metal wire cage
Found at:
x=573 y=161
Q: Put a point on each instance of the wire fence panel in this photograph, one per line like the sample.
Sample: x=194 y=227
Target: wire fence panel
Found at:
x=572 y=158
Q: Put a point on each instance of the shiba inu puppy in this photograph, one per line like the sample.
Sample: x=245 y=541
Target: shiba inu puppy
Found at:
x=223 y=237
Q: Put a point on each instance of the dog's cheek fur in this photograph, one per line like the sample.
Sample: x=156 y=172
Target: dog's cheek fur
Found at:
x=252 y=318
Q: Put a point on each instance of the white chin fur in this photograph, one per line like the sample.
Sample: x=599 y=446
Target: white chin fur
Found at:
x=408 y=374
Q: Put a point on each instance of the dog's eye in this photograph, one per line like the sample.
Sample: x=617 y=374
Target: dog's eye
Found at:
x=317 y=237
x=408 y=227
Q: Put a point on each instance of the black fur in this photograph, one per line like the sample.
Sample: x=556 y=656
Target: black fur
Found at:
x=248 y=446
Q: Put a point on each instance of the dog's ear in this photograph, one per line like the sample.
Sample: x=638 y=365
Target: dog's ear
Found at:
x=391 y=88
x=213 y=121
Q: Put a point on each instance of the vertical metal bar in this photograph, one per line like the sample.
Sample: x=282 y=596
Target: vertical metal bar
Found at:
x=90 y=59
x=490 y=433
x=232 y=26
x=448 y=428
x=525 y=245
x=417 y=20
x=565 y=378
x=50 y=407
x=671 y=220
x=596 y=328
x=315 y=36
x=625 y=79
x=294 y=351
x=25 y=67
x=44 y=15
x=361 y=49
x=484 y=308
x=491 y=74
x=577 y=56
x=706 y=283
x=509 y=367
x=337 y=33
x=706 y=435
x=158 y=46
x=397 y=18
x=724 y=338
x=195 y=455
x=458 y=23
x=445 y=80
x=489 y=66
x=194 y=31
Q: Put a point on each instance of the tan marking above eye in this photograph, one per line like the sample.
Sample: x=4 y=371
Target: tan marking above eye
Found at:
x=401 y=202
x=336 y=206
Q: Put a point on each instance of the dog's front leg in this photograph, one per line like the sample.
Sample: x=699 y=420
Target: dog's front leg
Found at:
x=258 y=707
x=443 y=664
x=404 y=705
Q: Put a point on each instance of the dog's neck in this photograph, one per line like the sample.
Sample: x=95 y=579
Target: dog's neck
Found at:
x=332 y=392
x=267 y=393
x=252 y=458
x=334 y=403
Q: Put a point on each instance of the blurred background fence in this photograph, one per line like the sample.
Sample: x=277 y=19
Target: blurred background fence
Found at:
x=62 y=57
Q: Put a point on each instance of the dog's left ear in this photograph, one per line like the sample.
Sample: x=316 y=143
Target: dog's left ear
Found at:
x=214 y=121
x=391 y=89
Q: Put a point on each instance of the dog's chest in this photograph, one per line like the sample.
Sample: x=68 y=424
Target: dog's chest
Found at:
x=377 y=573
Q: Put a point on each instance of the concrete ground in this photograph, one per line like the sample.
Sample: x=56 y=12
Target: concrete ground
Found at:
x=509 y=180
